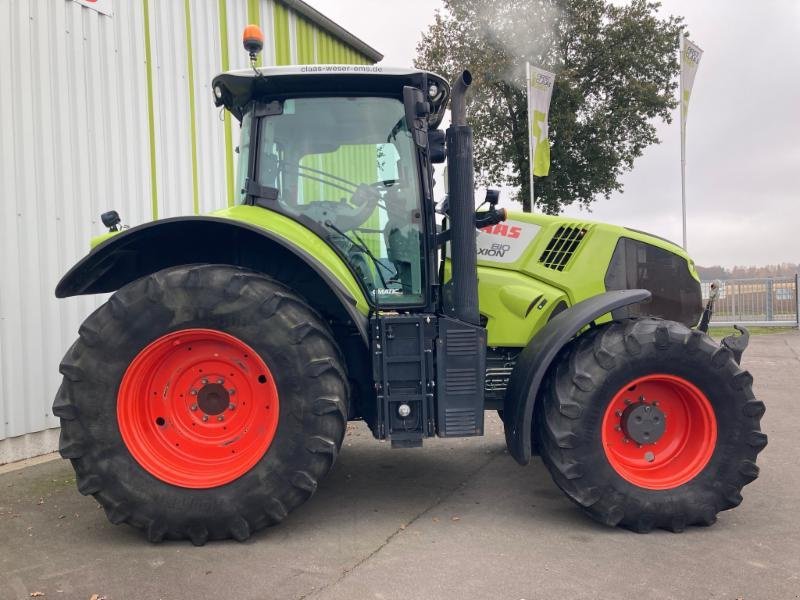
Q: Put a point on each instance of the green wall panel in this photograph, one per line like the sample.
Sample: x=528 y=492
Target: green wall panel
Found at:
x=331 y=50
x=304 y=34
x=283 y=51
x=324 y=46
x=225 y=62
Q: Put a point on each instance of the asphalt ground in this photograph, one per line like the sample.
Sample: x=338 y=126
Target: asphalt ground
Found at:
x=455 y=519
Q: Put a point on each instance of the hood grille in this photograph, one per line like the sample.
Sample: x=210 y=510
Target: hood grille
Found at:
x=562 y=247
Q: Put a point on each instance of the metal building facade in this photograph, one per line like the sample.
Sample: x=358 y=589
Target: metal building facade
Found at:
x=104 y=112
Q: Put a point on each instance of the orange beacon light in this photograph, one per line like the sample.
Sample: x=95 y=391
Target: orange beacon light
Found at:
x=253 y=40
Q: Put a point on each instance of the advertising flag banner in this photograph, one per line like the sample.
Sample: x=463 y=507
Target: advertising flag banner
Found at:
x=690 y=60
x=540 y=90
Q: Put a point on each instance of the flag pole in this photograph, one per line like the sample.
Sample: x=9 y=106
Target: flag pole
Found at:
x=531 y=149
x=683 y=140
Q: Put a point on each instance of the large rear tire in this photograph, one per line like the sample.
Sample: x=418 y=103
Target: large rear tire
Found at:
x=645 y=423
x=202 y=402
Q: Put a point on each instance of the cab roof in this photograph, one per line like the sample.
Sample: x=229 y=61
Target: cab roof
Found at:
x=236 y=89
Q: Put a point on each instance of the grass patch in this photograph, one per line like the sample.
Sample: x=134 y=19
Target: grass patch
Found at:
x=721 y=332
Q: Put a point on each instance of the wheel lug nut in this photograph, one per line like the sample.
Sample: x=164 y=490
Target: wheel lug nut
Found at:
x=220 y=418
x=220 y=381
x=193 y=392
x=193 y=407
x=231 y=406
x=231 y=391
x=618 y=413
x=627 y=401
x=625 y=440
x=204 y=381
x=205 y=418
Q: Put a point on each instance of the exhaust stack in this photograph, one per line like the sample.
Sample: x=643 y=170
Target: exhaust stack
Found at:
x=461 y=195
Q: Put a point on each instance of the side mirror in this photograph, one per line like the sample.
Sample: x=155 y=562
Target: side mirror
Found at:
x=492 y=197
x=111 y=220
x=436 y=146
x=417 y=110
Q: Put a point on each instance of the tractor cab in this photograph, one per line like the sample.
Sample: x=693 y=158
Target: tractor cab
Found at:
x=331 y=147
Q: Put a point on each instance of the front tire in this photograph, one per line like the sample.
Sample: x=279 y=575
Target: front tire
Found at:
x=645 y=423
x=202 y=402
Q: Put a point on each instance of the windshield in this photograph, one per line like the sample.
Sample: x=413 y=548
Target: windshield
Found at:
x=349 y=164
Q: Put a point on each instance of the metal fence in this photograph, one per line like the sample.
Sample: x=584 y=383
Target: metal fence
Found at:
x=766 y=302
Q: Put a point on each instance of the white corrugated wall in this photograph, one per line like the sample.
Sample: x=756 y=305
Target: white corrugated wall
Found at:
x=79 y=135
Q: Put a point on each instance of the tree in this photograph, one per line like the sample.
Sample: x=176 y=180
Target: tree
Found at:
x=616 y=71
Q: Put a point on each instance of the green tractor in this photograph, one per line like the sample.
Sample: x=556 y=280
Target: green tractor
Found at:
x=209 y=396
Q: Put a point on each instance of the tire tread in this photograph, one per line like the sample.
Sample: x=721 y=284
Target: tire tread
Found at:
x=237 y=295
x=567 y=405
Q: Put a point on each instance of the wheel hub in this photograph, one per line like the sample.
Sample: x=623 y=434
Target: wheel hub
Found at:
x=213 y=399
x=643 y=423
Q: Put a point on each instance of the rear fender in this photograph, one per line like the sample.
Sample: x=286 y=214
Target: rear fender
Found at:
x=536 y=358
x=148 y=248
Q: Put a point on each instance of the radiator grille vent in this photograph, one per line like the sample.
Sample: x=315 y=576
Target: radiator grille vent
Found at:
x=497 y=381
x=562 y=247
x=461 y=381
x=460 y=421
x=461 y=342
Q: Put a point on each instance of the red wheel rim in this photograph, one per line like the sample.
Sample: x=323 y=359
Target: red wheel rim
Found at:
x=197 y=408
x=680 y=452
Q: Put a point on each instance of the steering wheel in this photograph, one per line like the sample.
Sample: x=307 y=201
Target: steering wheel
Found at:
x=348 y=214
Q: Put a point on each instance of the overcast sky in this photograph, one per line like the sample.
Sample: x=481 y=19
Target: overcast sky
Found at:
x=743 y=132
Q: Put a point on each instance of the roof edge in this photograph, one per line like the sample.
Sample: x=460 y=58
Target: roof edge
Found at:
x=330 y=26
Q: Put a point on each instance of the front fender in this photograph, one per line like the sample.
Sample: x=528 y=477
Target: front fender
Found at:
x=306 y=262
x=536 y=358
